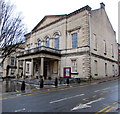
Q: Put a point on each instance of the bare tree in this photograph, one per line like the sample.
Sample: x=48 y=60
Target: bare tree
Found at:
x=12 y=29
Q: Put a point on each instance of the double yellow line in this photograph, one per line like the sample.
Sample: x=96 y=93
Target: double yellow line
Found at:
x=47 y=91
x=107 y=109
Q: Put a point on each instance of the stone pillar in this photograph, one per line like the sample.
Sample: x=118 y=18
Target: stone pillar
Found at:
x=24 y=69
x=17 y=72
x=42 y=67
x=32 y=69
x=59 y=64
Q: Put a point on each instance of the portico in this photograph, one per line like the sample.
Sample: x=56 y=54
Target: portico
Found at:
x=42 y=63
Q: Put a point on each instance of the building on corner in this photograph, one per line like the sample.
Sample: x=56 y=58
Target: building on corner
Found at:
x=80 y=44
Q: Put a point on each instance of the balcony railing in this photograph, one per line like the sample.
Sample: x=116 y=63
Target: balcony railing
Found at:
x=40 y=49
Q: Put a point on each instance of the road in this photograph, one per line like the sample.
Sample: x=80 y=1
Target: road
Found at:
x=102 y=97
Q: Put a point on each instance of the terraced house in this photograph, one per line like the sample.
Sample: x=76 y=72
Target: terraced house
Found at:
x=78 y=45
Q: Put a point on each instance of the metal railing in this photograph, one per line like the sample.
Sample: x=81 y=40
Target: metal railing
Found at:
x=39 y=49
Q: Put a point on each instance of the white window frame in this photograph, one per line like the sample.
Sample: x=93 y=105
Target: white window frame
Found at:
x=74 y=40
x=74 y=65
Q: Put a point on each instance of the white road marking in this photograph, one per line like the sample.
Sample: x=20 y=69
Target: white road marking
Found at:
x=102 y=89
x=66 y=98
x=18 y=94
x=97 y=91
x=106 y=88
x=20 y=110
x=27 y=84
x=86 y=105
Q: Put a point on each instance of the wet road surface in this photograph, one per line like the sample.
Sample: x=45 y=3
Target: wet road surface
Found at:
x=102 y=97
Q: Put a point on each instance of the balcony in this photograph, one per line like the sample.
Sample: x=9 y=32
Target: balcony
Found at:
x=38 y=50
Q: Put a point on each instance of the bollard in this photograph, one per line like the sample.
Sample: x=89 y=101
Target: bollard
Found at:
x=23 y=86
x=56 y=82
x=41 y=83
x=68 y=81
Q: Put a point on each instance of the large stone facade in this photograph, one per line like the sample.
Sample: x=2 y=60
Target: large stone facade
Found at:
x=50 y=46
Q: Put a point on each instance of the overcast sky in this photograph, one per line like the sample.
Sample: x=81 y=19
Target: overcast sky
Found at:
x=34 y=10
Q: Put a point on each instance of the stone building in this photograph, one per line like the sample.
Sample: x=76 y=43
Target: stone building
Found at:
x=80 y=44
x=9 y=65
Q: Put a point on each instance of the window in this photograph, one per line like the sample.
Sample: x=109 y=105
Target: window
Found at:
x=113 y=67
x=39 y=43
x=95 y=42
x=112 y=50
x=57 y=36
x=1 y=74
x=105 y=69
x=74 y=40
x=74 y=65
x=12 y=71
x=105 y=49
x=12 y=61
x=1 y=65
x=47 y=42
x=96 y=69
x=21 y=63
x=27 y=67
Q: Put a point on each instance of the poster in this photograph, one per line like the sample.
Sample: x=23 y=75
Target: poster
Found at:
x=67 y=72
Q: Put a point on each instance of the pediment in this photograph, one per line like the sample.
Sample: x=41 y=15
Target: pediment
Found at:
x=47 y=20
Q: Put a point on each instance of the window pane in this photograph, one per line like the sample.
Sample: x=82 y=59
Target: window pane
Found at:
x=74 y=40
x=39 y=43
x=12 y=61
x=57 y=41
x=74 y=66
x=47 y=42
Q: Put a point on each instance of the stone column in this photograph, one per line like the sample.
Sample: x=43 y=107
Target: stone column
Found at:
x=59 y=64
x=32 y=69
x=24 y=69
x=17 y=72
x=42 y=67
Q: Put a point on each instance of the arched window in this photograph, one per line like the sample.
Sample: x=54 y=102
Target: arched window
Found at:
x=48 y=42
x=57 y=36
x=39 y=43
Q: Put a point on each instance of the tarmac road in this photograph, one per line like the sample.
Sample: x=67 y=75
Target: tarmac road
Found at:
x=102 y=97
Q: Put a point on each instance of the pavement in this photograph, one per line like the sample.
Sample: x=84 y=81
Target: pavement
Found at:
x=35 y=87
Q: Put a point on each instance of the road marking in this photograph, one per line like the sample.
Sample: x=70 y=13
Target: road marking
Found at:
x=102 y=109
x=20 y=110
x=85 y=99
x=86 y=105
x=108 y=110
x=95 y=101
x=110 y=107
x=97 y=91
x=106 y=88
x=66 y=98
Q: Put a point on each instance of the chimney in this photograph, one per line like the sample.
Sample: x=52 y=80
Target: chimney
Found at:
x=102 y=5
